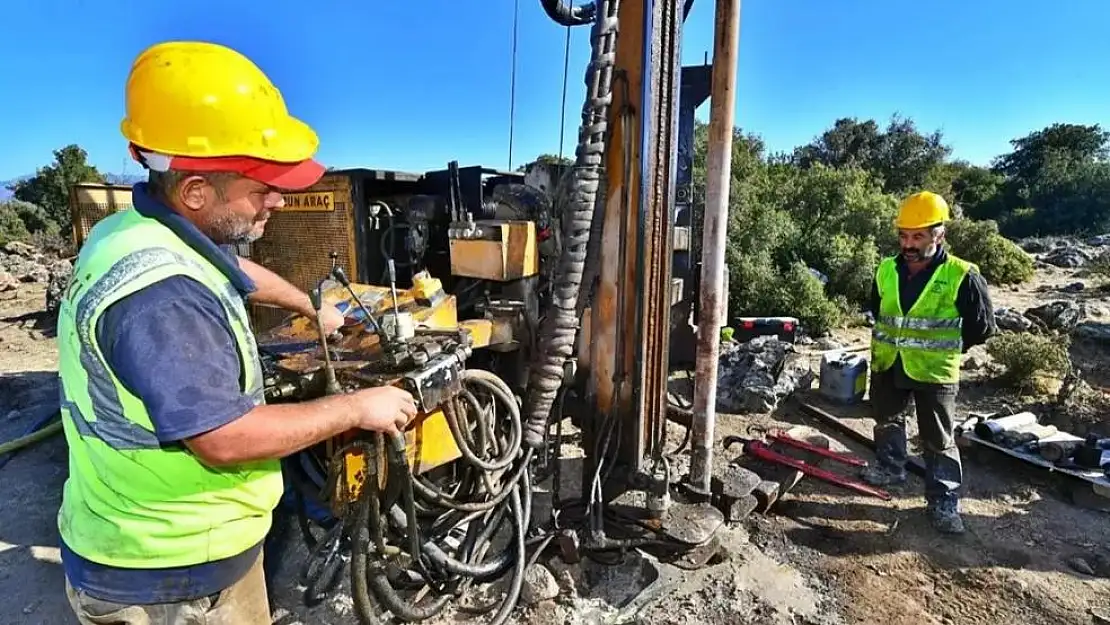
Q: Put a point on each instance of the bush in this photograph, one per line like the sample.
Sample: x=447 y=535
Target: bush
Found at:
x=12 y=227
x=1000 y=260
x=34 y=217
x=52 y=242
x=1029 y=359
x=758 y=288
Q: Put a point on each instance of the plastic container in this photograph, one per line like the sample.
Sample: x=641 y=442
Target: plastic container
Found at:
x=843 y=377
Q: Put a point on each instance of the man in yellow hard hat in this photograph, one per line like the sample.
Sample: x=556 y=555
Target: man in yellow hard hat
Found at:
x=930 y=307
x=173 y=453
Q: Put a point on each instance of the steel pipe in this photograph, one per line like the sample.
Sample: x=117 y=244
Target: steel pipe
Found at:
x=726 y=44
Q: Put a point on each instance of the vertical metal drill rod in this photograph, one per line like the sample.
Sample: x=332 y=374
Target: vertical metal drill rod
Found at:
x=726 y=43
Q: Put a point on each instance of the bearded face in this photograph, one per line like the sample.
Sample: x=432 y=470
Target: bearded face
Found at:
x=920 y=244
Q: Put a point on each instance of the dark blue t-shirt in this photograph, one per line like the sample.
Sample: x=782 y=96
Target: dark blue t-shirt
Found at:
x=172 y=346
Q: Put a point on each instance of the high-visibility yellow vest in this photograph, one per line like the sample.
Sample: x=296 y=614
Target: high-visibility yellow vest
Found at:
x=128 y=501
x=929 y=336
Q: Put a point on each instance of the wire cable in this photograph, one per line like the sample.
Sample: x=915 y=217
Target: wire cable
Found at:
x=566 y=74
x=512 y=80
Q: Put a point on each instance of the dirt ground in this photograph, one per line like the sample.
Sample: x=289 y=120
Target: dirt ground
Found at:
x=825 y=557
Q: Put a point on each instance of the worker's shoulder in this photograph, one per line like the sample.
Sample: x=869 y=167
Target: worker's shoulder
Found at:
x=165 y=302
x=887 y=262
x=136 y=251
x=964 y=266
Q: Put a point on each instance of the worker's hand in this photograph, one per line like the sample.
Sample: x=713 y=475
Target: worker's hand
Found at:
x=331 y=319
x=385 y=409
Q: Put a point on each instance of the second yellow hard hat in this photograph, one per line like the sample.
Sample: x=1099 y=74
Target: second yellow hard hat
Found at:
x=921 y=210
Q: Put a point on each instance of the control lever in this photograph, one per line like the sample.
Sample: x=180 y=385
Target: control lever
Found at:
x=317 y=303
x=341 y=276
x=393 y=288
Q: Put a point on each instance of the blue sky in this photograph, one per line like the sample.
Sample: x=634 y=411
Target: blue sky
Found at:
x=411 y=84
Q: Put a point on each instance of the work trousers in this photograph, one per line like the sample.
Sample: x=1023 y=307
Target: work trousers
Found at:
x=243 y=603
x=935 y=404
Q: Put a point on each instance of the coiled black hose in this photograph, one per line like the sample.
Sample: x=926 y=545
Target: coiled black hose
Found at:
x=461 y=437
x=482 y=502
x=559 y=329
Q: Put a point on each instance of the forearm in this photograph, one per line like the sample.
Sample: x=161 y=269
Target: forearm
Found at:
x=275 y=431
x=274 y=290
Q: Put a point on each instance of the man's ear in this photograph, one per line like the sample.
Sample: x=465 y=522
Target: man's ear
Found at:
x=192 y=193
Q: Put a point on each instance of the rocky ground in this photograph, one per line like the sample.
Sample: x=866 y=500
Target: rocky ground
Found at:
x=825 y=556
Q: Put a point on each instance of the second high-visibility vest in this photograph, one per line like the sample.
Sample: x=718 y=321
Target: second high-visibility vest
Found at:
x=928 y=336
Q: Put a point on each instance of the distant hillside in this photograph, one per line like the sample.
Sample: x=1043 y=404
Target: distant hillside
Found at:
x=120 y=179
x=125 y=179
x=5 y=192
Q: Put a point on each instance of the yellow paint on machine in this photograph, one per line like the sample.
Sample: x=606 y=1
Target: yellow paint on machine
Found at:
x=313 y=202
x=428 y=444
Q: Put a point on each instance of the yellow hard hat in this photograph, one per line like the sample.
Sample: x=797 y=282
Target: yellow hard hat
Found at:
x=921 y=210
x=193 y=99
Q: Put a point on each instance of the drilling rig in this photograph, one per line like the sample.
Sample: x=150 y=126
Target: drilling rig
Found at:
x=580 y=285
x=506 y=310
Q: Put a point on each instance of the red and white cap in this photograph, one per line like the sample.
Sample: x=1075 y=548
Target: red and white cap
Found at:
x=291 y=176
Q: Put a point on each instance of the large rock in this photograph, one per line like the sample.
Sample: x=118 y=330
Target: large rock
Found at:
x=60 y=273
x=8 y=282
x=754 y=377
x=1035 y=246
x=1058 y=315
x=539 y=585
x=23 y=269
x=18 y=248
x=1012 y=320
x=1093 y=330
x=1068 y=256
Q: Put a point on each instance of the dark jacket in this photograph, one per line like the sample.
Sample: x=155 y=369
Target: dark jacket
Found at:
x=972 y=301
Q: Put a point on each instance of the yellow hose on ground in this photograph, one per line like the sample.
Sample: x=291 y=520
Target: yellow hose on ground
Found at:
x=30 y=439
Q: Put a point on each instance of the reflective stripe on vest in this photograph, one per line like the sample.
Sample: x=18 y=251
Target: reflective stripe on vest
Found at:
x=928 y=338
x=111 y=426
x=129 y=501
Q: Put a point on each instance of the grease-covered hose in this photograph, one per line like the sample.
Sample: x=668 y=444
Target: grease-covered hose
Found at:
x=482 y=502
x=559 y=329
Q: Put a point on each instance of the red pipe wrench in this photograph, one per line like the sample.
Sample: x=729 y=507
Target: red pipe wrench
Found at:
x=786 y=439
x=758 y=449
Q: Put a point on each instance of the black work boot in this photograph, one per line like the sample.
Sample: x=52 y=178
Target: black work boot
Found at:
x=890 y=456
x=881 y=474
x=945 y=516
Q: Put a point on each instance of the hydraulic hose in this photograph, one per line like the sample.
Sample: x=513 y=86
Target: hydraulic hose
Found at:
x=451 y=414
x=565 y=15
x=559 y=329
x=413 y=531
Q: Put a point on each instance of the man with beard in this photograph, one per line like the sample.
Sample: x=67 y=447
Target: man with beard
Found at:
x=930 y=307
x=174 y=455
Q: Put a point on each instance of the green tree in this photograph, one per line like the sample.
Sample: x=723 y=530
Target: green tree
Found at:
x=978 y=191
x=1060 y=143
x=900 y=156
x=49 y=187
